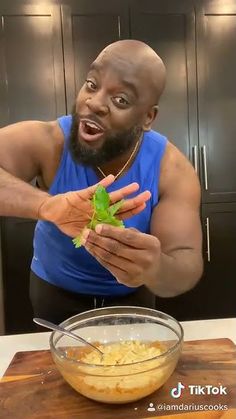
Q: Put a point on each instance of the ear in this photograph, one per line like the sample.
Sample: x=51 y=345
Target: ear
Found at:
x=150 y=116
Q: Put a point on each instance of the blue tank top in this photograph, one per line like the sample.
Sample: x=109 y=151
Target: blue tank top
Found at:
x=55 y=258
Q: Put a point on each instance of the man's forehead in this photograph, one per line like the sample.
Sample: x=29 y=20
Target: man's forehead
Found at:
x=123 y=72
x=116 y=62
x=120 y=78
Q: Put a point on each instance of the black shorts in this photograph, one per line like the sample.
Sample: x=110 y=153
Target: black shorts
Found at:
x=56 y=304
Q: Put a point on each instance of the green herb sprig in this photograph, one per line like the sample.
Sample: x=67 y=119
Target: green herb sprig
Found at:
x=102 y=212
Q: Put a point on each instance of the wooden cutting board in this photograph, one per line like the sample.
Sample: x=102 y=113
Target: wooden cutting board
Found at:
x=32 y=388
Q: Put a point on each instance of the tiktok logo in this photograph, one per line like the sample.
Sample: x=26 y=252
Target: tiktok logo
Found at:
x=177 y=391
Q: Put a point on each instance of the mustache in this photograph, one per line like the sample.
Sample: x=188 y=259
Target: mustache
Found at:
x=91 y=117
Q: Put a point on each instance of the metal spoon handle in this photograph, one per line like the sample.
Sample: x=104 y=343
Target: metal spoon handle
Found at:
x=58 y=328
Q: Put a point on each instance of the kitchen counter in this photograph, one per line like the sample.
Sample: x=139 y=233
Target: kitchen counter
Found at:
x=193 y=330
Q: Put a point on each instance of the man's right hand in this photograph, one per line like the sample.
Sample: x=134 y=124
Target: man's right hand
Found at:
x=72 y=211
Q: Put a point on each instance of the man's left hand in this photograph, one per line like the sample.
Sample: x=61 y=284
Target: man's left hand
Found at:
x=131 y=256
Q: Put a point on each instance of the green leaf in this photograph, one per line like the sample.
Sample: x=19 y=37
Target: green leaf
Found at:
x=77 y=241
x=116 y=222
x=102 y=213
x=93 y=223
x=101 y=199
x=113 y=221
x=112 y=210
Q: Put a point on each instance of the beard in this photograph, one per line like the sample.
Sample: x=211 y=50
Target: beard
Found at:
x=114 y=145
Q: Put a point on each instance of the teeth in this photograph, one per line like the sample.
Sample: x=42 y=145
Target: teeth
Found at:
x=92 y=125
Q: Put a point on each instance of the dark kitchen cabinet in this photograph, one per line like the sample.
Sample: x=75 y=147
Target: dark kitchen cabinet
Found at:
x=214 y=295
x=31 y=63
x=89 y=26
x=16 y=240
x=31 y=87
x=216 y=62
x=169 y=28
x=219 y=223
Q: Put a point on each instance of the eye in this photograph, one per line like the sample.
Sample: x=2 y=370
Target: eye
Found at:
x=91 y=85
x=120 y=101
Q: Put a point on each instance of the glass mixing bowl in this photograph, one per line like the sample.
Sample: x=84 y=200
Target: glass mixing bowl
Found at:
x=118 y=383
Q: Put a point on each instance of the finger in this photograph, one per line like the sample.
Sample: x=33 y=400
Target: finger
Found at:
x=123 y=192
x=129 y=273
x=113 y=265
x=135 y=202
x=105 y=254
x=113 y=247
x=107 y=181
x=121 y=276
x=126 y=236
x=130 y=213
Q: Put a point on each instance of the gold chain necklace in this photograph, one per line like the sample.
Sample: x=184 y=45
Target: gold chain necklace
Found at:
x=125 y=165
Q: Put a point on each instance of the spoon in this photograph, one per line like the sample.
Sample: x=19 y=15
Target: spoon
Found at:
x=60 y=329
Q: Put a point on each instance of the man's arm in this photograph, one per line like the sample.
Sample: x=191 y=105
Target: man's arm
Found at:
x=176 y=224
x=18 y=198
x=25 y=147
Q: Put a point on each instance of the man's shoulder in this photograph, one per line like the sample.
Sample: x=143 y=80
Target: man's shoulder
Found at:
x=39 y=129
x=58 y=125
x=155 y=143
x=176 y=169
x=155 y=136
x=54 y=132
x=51 y=152
x=174 y=158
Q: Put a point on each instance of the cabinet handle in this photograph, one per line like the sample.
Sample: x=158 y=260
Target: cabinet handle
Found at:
x=208 y=239
x=119 y=27
x=204 y=157
x=195 y=158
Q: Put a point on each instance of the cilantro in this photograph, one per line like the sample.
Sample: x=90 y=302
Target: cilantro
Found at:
x=102 y=212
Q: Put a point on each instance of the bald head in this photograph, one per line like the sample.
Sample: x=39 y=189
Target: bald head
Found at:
x=137 y=59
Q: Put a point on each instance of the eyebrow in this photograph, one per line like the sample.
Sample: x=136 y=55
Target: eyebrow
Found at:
x=95 y=66
x=131 y=86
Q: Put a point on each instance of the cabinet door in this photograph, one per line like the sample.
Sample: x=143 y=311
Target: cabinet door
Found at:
x=214 y=295
x=17 y=238
x=31 y=63
x=216 y=62
x=169 y=28
x=32 y=86
x=88 y=27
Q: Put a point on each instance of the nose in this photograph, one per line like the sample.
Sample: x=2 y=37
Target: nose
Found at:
x=97 y=104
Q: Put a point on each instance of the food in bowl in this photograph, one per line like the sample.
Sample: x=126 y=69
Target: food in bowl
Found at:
x=121 y=353
x=132 y=366
x=139 y=376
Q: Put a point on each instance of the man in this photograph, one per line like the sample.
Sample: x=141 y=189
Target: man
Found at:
x=109 y=131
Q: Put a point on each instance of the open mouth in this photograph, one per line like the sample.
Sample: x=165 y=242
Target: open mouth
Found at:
x=90 y=131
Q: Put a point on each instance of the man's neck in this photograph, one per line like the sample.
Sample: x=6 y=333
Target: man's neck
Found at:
x=114 y=166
